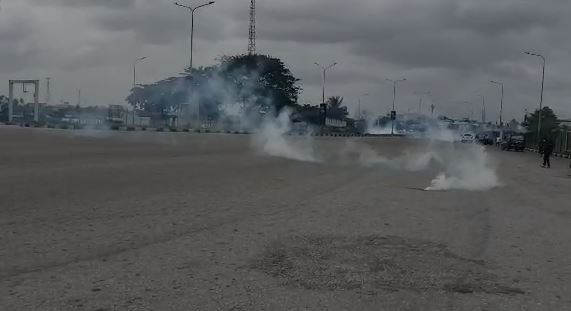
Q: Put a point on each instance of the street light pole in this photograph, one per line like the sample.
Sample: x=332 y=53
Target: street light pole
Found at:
x=501 y=101
x=135 y=70
x=420 y=95
x=135 y=78
x=541 y=96
x=471 y=109
x=483 y=109
x=192 y=10
x=325 y=69
x=395 y=82
x=360 y=116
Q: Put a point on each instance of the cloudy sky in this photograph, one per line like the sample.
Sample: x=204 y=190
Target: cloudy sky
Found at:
x=452 y=48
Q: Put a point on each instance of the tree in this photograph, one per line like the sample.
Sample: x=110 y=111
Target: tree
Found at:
x=262 y=80
x=3 y=108
x=16 y=105
x=256 y=83
x=335 y=108
x=310 y=114
x=549 y=122
x=513 y=124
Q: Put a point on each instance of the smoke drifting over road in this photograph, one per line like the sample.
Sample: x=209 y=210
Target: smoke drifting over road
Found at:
x=470 y=169
x=460 y=166
x=410 y=160
x=238 y=96
x=271 y=139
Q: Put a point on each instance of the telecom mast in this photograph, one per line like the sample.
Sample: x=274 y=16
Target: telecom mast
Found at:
x=252 y=36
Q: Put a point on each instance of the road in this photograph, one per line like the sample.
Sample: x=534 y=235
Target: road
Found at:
x=177 y=221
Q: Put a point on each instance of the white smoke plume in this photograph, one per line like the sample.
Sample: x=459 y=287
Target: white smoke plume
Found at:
x=441 y=134
x=462 y=166
x=410 y=160
x=376 y=130
x=468 y=170
x=244 y=108
x=271 y=139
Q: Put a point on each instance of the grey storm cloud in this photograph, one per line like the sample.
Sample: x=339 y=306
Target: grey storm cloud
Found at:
x=416 y=33
x=112 y=4
x=450 y=47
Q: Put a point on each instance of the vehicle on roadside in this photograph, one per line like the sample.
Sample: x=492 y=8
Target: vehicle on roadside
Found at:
x=115 y=116
x=468 y=138
x=514 y=142
x=486 y=138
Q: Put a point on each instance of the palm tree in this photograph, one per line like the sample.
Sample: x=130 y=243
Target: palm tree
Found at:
x=334 y=102
x=335 y=108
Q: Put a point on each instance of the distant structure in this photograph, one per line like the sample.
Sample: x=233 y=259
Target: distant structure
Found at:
x=484 y=109
x=48 y=91
x=36 y=84
x=252 y=36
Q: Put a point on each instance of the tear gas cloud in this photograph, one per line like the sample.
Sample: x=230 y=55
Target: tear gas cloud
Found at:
x=271 y=138
x=461 y=167
x=244 y=108
x=467 y=169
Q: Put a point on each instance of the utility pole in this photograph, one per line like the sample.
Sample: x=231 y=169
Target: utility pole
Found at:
x=48 y=91
x=252 y=29
x=420 y=98
x=135 y=98
x=324 y=69
x=471 y=105
x=501 y=100
x=483 y=109
x=540 y=113
x=135 y=71
x=360 y=115
x=393 y=112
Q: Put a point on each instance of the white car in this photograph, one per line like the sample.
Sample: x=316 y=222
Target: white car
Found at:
x=468 y=138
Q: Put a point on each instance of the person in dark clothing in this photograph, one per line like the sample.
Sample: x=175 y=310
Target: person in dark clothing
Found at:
x=547 y=150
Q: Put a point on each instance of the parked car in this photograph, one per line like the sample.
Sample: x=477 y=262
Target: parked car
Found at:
x=468 y=138
x=516 y=142
x=486 y=138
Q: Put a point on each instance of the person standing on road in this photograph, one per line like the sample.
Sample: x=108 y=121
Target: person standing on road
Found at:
x=547 y=150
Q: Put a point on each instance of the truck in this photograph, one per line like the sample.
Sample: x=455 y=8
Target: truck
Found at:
x=514 y=142
x=115 y=116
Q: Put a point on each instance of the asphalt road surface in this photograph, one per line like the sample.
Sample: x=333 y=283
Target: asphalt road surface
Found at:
x=177 y=221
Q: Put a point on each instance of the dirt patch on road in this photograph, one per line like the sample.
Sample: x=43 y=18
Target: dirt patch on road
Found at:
x=374 y=264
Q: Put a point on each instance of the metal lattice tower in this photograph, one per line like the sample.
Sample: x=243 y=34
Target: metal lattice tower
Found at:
x=252 y=36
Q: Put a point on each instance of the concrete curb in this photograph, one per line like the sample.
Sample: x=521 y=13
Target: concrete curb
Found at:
x=124 y=128
x=178 y=130
x=130 y=129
